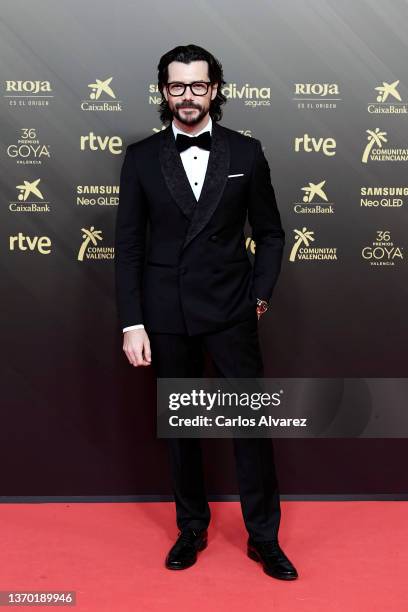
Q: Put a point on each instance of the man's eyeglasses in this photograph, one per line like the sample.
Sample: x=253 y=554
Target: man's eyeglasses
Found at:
x=198 y=88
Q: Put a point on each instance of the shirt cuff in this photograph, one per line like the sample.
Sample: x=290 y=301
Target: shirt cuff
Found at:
x=139 y=326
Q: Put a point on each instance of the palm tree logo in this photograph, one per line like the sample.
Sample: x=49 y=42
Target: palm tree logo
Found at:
x=250 y=245
x=374 y=138
x=89 y=235
x=303 y=236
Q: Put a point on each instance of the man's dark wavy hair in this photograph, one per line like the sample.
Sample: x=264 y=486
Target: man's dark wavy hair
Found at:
x=187 y=54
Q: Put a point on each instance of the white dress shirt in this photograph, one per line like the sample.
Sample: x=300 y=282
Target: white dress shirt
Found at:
x=195 y=162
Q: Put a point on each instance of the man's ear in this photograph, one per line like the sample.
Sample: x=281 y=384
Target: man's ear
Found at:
x=214 y=90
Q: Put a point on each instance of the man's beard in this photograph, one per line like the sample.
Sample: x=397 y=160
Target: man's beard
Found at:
x=191 y=118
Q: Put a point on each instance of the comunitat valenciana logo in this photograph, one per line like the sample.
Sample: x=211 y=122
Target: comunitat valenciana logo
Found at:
x=30 y=198
x=28 y=150
x=28 y=93
x=91 y=247
x=303 y=251
x=375 y=150
x=388 y=100
x=101 y=94
x=315 y=200
x=382 y=251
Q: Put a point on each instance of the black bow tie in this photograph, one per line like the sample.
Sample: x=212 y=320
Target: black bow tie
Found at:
x=184 y=142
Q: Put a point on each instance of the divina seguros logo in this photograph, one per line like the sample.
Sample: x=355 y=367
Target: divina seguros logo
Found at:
x=250 y=95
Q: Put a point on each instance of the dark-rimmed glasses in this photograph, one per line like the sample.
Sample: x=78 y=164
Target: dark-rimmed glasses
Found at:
x=198 y=88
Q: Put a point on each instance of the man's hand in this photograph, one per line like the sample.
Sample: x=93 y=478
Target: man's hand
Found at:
x=136 y=345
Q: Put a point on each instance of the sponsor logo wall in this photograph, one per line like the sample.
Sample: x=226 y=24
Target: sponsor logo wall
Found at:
x=331 y=114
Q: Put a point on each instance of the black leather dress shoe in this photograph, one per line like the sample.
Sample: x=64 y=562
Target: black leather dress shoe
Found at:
x=183 y=553
x=275 y=562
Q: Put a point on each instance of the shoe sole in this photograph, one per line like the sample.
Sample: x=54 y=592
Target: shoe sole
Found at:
x=199 y=549
x=255 y=557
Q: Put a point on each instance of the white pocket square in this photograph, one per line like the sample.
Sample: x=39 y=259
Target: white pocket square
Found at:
x=232 y=175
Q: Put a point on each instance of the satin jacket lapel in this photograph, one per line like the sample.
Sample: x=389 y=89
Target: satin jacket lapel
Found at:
x=174 y=173
x=198 y=212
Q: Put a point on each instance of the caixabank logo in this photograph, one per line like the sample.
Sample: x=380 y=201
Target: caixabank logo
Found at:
x=92 y=246
x=102 y=97
x=32 y=94
x=376 y=151
x=315 y=200
x=303 y=249
x=29 y=150
x=316 y=96
x=30 y=198
x=388 y=100
x=383 y=251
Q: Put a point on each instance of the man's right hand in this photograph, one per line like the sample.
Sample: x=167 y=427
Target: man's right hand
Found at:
x=136 y=345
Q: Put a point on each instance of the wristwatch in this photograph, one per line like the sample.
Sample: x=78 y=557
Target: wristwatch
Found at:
x=261 y=306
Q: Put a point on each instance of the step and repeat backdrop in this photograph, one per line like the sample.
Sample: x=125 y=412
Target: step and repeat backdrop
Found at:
x=324 y=86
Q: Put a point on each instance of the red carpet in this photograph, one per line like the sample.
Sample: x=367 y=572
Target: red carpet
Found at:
x=351 y=556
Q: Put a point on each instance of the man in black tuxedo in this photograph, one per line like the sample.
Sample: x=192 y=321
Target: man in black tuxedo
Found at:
x=192 y=288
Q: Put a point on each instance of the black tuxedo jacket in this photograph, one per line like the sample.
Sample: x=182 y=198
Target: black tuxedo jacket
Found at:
x=181 y=265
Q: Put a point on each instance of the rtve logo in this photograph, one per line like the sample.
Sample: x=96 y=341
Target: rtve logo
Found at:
x=42 y=244
x=95 y=143
x=309 y=144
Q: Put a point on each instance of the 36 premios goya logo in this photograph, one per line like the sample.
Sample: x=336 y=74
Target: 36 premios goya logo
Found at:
x=382 y=251
x=29 y=149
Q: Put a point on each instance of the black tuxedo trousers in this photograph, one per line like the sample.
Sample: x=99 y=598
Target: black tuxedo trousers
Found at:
x=235 y=353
